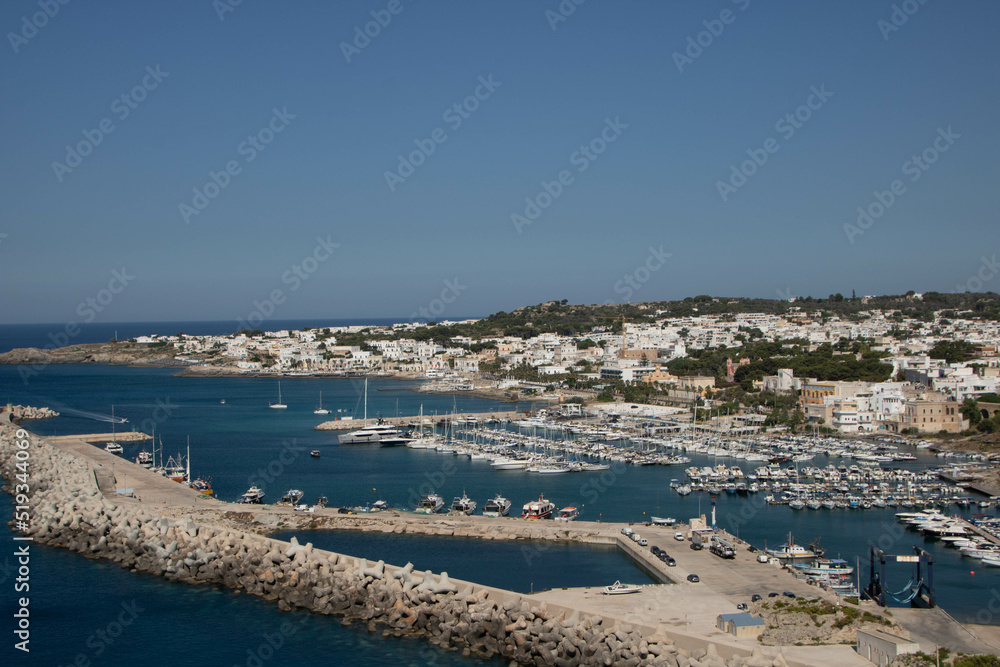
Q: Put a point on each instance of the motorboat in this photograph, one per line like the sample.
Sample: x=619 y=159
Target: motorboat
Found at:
x=202 y=486
x=145 y=459
x=113 y=448
x=509 y=464
x=618 y=588
x=496 y=506
x=791 y=551
x=827 y=566
x=463 y=505
x=661 y=521
x=538 y=509
x=253 y=496
x=683 y=489
x=568 y=514
x=314 y=453
x=429 y=504
x=291 y=497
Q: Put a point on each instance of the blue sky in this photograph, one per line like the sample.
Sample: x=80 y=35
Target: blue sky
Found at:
x=652 y=191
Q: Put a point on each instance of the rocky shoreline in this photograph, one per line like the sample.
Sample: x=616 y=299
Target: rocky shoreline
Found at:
x=69 y=511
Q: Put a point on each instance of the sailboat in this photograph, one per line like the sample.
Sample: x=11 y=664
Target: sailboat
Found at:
x=279 y=404
x=113 y=447
x=320 y=410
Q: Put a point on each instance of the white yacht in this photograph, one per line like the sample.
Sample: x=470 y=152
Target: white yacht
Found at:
x=509 y=464
x=496 y=506
x=618 y=588
x=253 y=496
x=113 y=448
x=375 y=434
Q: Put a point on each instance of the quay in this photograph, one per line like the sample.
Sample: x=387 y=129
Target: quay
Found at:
x=680 y=615
x=428 y=420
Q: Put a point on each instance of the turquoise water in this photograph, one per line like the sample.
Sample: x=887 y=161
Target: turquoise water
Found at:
x=244 y=442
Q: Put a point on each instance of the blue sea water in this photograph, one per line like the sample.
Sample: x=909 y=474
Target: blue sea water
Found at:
x=242 y=442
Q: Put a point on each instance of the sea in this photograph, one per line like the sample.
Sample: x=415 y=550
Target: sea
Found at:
x=76 y=603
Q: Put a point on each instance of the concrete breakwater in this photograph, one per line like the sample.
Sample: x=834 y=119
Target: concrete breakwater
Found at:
x=68 y=510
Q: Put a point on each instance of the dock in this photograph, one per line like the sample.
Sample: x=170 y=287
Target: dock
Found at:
x=685 y=610
x=428 y=420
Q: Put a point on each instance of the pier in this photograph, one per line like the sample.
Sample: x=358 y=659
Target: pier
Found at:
x=680 y=614
x=428 y=420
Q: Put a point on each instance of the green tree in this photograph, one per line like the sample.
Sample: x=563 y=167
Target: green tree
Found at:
x=970 y=410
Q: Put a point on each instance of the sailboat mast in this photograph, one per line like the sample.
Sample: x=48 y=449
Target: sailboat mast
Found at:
x=189 y=460
x=366 y=403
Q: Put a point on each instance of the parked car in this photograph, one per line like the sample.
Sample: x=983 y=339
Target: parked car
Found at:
x=788 y=594
x=696 y=547
x=693 y=578
x=679 y=537
x=762 y=558
x=742 y=606
x=655 y=550
x=755 y=598
x=772 y=595
x=643 y=542
x=671 y=562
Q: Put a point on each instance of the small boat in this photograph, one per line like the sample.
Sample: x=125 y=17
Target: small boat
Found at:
x=538 y=509
x=660 y=521
x=113 y=448
x=223 y=401
x=992 y=561
x=496 y=506
x=252 y=496
x=202 y=486
x=145 y=459
x=429 y=504
x=791 y=551
x=463 y=505
x=314 y=453
x=291 y=497
x=683 y=489
x=321 y=410
x=568 y=514
x=279 y=405
x=618 y=588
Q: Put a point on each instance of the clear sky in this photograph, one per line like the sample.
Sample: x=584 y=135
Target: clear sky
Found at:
x=309 y=137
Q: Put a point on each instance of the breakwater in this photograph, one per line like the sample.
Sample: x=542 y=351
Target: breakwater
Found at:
x=69 y=510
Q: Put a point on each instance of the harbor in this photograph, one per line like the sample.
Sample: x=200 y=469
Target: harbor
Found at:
x=724 y=583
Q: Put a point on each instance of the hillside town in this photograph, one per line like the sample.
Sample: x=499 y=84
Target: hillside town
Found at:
x=880 y=370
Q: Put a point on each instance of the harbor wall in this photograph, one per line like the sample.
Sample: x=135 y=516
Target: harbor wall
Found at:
x=69 y=510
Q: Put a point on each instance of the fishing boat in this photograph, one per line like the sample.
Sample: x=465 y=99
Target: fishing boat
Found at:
x=202 y=486
x=321 y=410
x=279 y=405
x=252 y=496
x=568 y=514
x=791 y=551
x=827 y=566
x=496 y=506
x=463 y=505
x=618 y=588
x=429 y=504
x=291 y=497
x=538 y=509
